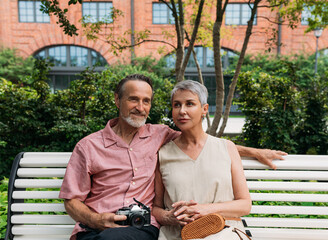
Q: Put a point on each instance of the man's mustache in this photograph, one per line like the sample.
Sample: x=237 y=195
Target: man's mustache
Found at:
x=137 y=112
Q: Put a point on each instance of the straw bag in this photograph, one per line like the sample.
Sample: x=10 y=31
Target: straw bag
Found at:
x=211 y=224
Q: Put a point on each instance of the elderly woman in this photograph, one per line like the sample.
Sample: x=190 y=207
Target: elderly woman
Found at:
x=198 y=174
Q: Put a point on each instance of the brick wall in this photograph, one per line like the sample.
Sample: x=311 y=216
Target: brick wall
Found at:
x=29 y=38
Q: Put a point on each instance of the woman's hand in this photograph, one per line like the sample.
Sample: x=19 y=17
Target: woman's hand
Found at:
x=186 y=212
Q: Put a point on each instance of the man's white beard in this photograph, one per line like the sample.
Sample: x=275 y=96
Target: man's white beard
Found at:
x=133 y=122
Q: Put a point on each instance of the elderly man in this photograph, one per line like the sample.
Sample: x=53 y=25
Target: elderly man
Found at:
x=110 y=167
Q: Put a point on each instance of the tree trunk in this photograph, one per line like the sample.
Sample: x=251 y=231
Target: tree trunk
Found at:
x=179 y=28
x=238 y=68
x=193 y=37
x=201 y=80
x=218 y=67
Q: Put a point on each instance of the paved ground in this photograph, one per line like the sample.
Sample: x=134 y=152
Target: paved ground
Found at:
x=234 y=126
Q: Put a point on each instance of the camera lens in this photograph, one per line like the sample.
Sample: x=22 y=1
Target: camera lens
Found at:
x=137 y=221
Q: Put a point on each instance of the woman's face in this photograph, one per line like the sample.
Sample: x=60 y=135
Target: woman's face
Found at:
x=187 y=110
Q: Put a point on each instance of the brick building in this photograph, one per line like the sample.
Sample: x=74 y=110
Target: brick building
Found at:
x=33 y=33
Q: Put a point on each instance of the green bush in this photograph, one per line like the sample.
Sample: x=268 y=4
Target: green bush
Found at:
x=270 y=107
x=32 y=119
x=13 y=67
x=3 y=207
x=312 y=130
x=284 y=104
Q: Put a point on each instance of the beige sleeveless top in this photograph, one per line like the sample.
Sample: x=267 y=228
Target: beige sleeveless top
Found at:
x=205 y=180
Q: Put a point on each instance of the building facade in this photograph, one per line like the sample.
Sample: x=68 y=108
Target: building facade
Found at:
x=33 y=33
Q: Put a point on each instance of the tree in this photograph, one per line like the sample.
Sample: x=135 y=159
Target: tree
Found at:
x=13 y=67
x=187 y=34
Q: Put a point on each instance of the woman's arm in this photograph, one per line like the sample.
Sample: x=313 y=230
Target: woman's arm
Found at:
x=165 y=217
x=240 y=206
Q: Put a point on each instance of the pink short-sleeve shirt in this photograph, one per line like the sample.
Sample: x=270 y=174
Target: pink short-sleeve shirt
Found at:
x=106 y=173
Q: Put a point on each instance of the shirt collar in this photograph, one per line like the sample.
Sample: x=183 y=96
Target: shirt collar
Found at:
x=111 y=138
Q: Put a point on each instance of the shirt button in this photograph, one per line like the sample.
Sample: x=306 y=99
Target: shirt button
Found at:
x=127 y=201
x=133 y=183
x=131 y=149
x=136 y=169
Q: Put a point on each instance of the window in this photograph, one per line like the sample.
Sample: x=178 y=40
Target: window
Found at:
x=69 y=61
x=238 y=14
x=29 y=11
x=205 y=58
x=162 y=14
x=97 y=11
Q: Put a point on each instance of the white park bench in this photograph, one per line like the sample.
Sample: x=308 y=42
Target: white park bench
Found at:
x=294 y=198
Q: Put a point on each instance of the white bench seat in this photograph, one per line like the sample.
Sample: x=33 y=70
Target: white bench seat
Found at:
x=288 y=203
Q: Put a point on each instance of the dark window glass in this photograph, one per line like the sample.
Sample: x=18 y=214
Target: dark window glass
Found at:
x=58 y=56
x=97 y=11
x=79 y=56
x=29 y=11
x=238 y=14
x=209 y=57
x=205 y=58
x=199 y=53
x=69 y=61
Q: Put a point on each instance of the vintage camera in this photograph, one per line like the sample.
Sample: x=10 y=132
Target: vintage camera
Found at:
x=137 y=215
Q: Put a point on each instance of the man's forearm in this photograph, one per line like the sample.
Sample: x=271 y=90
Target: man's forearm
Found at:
x=80 y=212
x=247 y=151
x=264 y=156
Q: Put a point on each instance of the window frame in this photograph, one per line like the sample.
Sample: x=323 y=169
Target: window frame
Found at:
x=34 y=12
x=240 y=17
x=68 y=70
x=97 y=18
x=169 y=19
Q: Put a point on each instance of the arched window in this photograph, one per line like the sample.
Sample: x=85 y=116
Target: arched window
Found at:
x=68 y=61
x=205 y=58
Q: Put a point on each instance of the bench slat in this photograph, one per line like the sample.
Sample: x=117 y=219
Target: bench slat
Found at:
x=286 y=175
x=292 y=162
x=287 y=186
x=286 y=222
x=36 y=195
x=41 y=219
x=38 y=207
x=289 y=197
x=266 y=209
x=47 y=155
x=42 y=230
x=46 y=162
x=287 y=234
x=41 y=172
x=38 y=183
x=34 y=237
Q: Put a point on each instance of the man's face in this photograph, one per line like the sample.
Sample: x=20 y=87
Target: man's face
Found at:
x=135 y=103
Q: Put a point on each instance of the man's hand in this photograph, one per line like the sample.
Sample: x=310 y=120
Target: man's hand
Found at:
x=266 y=156
x=81 y=213
x=107 y=220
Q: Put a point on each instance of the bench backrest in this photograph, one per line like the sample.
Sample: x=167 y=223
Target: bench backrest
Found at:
x=288 y=203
